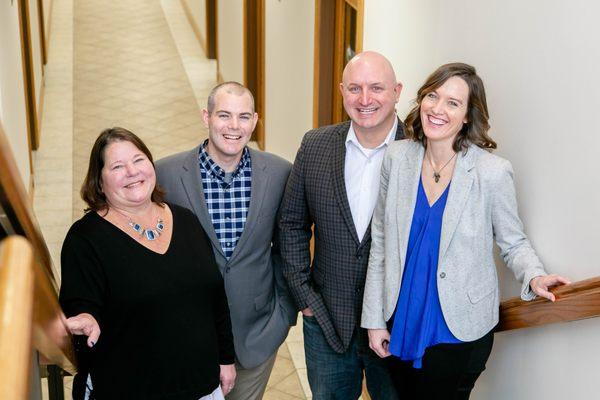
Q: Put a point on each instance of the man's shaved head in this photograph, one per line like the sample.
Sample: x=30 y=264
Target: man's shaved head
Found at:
x=374 y=61
x=230 y=87
x=370 y=92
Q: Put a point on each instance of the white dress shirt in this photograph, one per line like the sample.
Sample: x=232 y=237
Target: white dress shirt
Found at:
x=361 y=175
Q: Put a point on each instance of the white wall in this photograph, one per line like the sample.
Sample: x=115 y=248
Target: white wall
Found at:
x=539 y=61
x=289 y=74
x=12 y=92
x=230 y=27
x=198 y=10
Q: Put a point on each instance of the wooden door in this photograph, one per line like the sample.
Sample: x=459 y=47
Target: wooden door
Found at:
x=338 y=37
x=254 y=61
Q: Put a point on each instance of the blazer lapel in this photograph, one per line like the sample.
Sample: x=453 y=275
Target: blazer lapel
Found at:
x=260 y=186
x=338 y=167
x=408 y=185
x=462 y=180
x=192 y=185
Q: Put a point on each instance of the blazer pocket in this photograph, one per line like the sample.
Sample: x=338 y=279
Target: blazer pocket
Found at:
x=262 y=300
x=478 y=293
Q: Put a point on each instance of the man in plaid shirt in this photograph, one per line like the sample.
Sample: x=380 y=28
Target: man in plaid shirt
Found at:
x=235 y=192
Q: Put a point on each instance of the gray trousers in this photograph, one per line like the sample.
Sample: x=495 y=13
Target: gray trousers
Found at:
x=250 y=384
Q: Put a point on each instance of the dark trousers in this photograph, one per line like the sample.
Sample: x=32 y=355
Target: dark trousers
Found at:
x=334 y=376
x=449 y=371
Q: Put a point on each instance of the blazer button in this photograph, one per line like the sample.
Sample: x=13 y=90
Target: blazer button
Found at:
x=443 y=275
x=227 y=270
x=359 y=257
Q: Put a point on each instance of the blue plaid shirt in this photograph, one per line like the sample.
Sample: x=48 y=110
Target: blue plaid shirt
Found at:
x=227 y=203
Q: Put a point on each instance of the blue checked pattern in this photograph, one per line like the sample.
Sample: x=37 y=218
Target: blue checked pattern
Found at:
x=227 y=203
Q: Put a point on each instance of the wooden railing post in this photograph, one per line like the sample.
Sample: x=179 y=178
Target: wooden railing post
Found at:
x=16 y=316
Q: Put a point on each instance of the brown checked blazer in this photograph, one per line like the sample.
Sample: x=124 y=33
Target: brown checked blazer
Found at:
x=316 y=194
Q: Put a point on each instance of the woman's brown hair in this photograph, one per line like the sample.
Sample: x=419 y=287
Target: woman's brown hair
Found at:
x=477 y=125
x=91 y=189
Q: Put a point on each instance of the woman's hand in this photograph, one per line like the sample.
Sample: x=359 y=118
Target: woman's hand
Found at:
x=227 y=378
x=540 y=285
x=379 y=340
x=85 y=324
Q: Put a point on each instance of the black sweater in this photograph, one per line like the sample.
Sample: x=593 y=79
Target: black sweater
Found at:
x=164 y=319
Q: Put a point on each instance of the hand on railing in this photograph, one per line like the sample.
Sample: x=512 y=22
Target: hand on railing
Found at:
x=540 y=285
x=85 y=324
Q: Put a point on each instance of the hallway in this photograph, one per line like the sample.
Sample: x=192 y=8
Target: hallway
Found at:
x=135 y=64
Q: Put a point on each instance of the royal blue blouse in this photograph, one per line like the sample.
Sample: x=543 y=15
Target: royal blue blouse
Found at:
x=419 y=322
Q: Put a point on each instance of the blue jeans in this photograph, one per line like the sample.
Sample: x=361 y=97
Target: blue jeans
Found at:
x=334 y=376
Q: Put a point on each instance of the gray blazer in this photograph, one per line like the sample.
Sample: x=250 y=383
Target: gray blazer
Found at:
x=260 y=306
x=481 y=207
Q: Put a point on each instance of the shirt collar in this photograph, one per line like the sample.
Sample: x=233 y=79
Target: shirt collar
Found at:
x=214 y=169
x=351 y=137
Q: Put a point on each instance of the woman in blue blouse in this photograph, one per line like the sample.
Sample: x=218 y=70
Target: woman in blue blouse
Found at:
x=431 y=281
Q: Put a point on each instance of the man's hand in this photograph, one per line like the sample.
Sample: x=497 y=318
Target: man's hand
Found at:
x=307 y=312
x=379 y=340
x=227 y=378
x=540 y=285
x=85 y=324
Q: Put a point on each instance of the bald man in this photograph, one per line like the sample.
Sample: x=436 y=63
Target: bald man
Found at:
x=334 y=185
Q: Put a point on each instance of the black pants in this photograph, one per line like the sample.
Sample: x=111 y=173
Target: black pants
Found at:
x=449 y=371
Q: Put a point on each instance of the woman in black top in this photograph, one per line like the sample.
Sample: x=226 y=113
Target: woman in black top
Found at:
x=139 y=280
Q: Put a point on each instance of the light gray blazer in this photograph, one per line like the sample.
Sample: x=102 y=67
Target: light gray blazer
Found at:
x=259 y=303
x=481 y=207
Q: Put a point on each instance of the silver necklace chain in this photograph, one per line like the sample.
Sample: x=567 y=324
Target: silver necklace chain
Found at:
x=437 y=174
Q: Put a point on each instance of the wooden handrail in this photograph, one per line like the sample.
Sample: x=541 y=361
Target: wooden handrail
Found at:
x=576 y=301
x=17 y=204
x=50 y=335
x=16 y=311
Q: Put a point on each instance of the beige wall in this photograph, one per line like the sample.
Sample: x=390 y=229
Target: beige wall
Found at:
x=539 y=61
x=47 y=6
x=11 y=87
x=289 y=74
x=198 y=10
x=36 y=51
x=230 y=27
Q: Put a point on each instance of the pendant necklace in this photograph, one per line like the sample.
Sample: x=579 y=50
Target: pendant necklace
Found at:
x=436 y=174
x=149 y=234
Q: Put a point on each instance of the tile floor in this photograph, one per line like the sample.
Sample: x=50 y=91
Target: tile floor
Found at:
x=136 y=64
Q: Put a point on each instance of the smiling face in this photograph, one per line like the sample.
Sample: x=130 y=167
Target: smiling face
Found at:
x=370 y=92
x=230 y=125
x=128 y=177
x=444 y=110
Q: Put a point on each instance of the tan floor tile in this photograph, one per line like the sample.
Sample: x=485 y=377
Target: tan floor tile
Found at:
x=274 y=394
x=282 y=369
x=291 y=385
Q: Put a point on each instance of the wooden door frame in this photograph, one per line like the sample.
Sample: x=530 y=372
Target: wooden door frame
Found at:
x=258 y=59
x=28 y=79
x=208 y=43
x=212 y=40
x=44 y=51
x=338 y=53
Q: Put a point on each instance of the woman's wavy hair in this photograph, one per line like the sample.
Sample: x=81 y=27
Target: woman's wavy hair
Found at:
x=477 y=125
x=91 y=189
